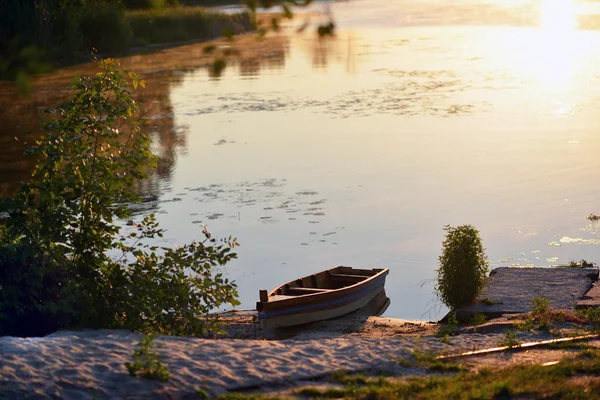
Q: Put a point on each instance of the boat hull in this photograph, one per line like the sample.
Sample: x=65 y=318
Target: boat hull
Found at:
x=289 y=311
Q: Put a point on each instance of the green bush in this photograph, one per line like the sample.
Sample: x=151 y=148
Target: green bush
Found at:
x=463 y=267
x=66 y=261
x=147 y=361
x=184 y=23
x=104 y=28
x=450 y=327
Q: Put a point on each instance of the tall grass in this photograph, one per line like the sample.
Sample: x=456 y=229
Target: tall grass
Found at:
x=183 y=23
x=104 y=28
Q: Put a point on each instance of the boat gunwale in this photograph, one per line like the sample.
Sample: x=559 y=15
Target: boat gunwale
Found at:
x=309 y=297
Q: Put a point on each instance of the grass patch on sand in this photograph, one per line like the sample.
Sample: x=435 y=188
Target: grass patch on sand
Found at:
x=177 y=24
x=428 y=360
x=510 y=340
x=563 y=380
x=488 y=302
x=568 y=346
x=543 y=316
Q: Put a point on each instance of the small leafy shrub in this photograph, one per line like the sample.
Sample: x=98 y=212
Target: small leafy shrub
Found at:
x=345 y=378
x=527 y=325
x=590 y=315
x=540 y=306
x=510 y=340
x=541 y=313
x=104 y=28
x=463 y=267
x=445 y=339
x=19 y=60
x=487 y=301
x=581 y=264
x=479 y=319
x=147 y=361
x=543 y=316
x=65 y=258
x=450 y=328
x=202 y=394
x=593 y=217
x=185 y=23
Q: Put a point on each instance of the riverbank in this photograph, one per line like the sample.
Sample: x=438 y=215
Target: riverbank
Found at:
x=91 y=364
x=183 y=24
x=343 y=357
x=36 y=40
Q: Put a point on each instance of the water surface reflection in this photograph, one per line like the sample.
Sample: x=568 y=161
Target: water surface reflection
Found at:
x=357 y=150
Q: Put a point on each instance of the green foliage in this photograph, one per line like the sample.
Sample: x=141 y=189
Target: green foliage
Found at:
x=541 y=313
x=540 y=306
x=450 y=327
x=593 y=217
x=35 y=32
x=479 y=319
x=463 y=267
x=510 y=340
x=543 y=316
x=66 y=261
x=104 y=28
x=184 y=23
x=239 y=396
x=430 y=361
x=487 y=301
x=18 y=60
x=581 y=264
x=147 y=361
x=311 y=392
x=344 y=378
x=445 y=339
x=590 y=315
x=527 y=325
x=32 y=33
x=50 y=25
x=517 y=381
x=569 y=345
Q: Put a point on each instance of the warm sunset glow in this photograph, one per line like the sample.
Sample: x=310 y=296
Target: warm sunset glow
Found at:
x=553 y=52
x=558 y=16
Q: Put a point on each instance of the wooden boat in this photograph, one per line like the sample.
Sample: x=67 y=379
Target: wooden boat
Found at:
x=324 y=295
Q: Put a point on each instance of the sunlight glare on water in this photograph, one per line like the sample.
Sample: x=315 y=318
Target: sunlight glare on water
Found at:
x=554 y=52
x=558 y=19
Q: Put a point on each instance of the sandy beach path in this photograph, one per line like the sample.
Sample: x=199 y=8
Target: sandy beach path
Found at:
x=90 y=364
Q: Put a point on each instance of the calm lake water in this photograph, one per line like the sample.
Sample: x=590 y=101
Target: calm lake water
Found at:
x=357 y=150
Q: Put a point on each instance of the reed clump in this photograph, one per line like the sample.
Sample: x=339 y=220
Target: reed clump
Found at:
x=184 y=23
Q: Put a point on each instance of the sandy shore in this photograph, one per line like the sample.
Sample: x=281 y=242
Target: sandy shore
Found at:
x=90 y=364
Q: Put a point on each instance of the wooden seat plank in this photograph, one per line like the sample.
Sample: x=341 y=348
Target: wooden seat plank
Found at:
x=302 y=290
x=348 y=276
